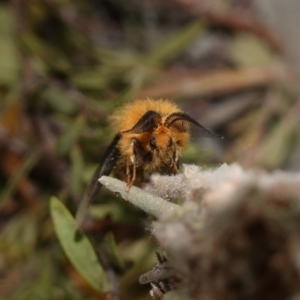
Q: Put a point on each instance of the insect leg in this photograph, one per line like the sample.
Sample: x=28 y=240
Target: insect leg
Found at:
x=174 y=164
x=131 y=176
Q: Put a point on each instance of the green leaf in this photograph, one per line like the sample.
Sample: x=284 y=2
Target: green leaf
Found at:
x=79 y=250
x=18 y=238
x=9 y=62
x=275 y=150
x=93 y=79
x=249 y=51
x=176 y=44
x=111 y=250
x=59 y=100
x=77 y=167
x=28 y=163
x=70 y=136
x=111 y=209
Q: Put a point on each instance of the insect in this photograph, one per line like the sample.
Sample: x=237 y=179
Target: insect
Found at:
x=150 y=136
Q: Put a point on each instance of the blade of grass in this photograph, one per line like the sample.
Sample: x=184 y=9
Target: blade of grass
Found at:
x=70 y=136
x=24 y=169
x=175 y=44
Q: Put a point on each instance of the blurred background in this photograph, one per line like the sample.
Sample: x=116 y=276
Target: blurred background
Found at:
x=65 y=66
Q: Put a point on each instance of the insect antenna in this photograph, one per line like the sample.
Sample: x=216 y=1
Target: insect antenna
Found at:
x=109 y=161
x=148 y=122
x=182 y=122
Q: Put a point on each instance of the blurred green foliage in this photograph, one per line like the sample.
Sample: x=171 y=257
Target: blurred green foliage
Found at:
x=65 y=66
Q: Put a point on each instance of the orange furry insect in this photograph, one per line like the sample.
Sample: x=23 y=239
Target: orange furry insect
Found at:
x=150 y=136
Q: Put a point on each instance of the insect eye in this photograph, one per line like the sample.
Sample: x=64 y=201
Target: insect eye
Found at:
x=153 y=142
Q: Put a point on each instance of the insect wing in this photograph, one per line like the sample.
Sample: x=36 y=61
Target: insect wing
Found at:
x=147 y=123
x=109 y=161
x=182 y=122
